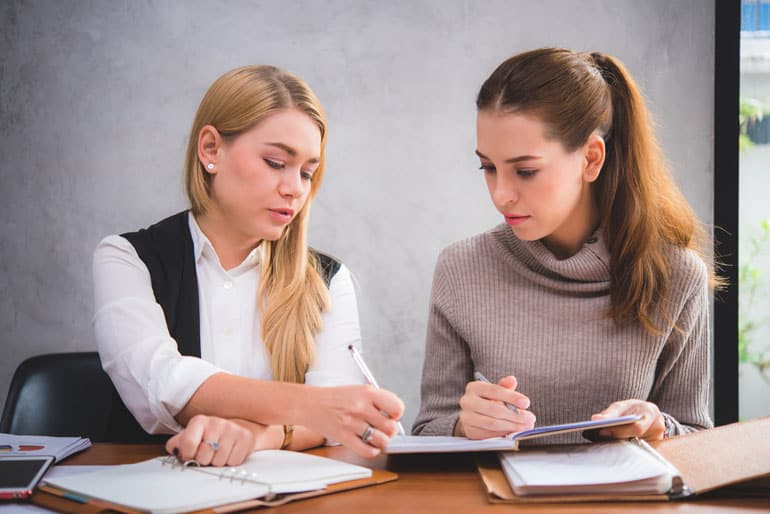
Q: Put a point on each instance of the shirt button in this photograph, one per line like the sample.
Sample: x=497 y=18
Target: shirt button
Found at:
x=591 y=240
x=228 y=332
x=228 y=285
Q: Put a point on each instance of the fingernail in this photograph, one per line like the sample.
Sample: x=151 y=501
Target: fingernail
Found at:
x=176 y=452
x=522 y=403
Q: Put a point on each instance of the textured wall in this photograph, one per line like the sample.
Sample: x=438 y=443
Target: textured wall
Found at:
x=96 y=99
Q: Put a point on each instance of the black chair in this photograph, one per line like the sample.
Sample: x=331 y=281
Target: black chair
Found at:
x=68 y=394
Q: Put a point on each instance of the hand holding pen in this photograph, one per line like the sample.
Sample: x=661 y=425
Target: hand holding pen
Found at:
x=369 y=378
x=493 y=410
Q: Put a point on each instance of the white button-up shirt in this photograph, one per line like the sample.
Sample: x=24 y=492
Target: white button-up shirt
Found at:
x=154 y=380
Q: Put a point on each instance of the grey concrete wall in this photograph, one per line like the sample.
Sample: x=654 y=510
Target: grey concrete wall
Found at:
x=96 y=98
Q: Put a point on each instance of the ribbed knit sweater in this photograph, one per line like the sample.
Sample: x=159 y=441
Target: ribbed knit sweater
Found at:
x=504 y=306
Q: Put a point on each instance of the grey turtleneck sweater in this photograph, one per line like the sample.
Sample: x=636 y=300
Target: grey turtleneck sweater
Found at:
x=504 y=306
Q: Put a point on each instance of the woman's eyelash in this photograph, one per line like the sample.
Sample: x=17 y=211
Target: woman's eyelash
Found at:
x=526 y=173
x=487 y=168
x=274 y=164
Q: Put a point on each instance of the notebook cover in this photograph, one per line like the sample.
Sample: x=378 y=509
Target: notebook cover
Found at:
x=52 y=498
x=722 y=456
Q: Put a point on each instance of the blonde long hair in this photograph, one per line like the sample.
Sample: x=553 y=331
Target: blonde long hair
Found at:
x=292 y=294
x=641 y=208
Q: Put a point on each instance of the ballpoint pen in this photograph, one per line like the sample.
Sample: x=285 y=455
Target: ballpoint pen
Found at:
x=369 y=377
x=477 y=375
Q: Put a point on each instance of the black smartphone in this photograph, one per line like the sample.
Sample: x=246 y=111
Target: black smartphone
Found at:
x=20 y=474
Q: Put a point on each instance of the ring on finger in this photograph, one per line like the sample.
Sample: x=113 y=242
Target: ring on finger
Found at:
x=213 y=444
x=367 y=434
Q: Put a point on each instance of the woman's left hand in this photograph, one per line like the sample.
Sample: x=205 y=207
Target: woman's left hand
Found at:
x=651 y=426
x=215 y=441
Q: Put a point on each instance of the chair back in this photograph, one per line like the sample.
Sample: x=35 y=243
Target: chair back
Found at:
x=69 y=394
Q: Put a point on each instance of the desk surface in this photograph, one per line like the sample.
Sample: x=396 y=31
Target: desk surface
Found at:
x=438 y=484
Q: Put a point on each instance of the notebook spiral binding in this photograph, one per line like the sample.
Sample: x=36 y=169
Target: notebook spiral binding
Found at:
x=231 y=474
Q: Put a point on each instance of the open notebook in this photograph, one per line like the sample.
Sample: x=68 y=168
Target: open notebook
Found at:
x=617 y=467
x=680 y=467
x=163 y=486
x=448 y=444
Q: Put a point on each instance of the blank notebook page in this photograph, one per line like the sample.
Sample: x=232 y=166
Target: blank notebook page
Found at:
x=162 y=486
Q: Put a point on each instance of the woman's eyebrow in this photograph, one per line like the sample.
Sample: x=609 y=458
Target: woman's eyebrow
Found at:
x=291 y=151
x=512 y=160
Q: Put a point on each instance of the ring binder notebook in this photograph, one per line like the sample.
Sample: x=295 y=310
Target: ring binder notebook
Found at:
x=164 y=485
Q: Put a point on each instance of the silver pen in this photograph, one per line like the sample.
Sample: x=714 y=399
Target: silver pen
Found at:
x=369 y=377
x=477 y=375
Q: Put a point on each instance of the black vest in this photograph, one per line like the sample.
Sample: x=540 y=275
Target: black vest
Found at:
x=166 y=248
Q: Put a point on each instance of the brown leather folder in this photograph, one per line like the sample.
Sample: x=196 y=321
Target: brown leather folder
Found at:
x=732 y=458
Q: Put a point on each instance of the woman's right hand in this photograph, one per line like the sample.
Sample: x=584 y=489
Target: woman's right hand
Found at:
x=483 y=412
x=344 y=413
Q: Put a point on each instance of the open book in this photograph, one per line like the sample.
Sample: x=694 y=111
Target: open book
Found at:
x=616 y=467
x=447 y=444
x=164 y=486
x=680 y=467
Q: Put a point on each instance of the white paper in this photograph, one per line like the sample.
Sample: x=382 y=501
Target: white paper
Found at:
x=163 y=486
x=59 y=447
x=611 y=467
x=445 y=444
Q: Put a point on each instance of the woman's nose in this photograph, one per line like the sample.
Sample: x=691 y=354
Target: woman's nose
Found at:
x=291 y=183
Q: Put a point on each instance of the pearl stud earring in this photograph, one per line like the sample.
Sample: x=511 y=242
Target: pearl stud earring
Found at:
x=210 y=166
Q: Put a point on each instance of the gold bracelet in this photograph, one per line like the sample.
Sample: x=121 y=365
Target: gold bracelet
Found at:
x=288 y=431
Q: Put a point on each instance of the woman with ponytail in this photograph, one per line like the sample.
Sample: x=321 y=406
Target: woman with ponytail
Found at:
x=219 y=324
x=591 y=300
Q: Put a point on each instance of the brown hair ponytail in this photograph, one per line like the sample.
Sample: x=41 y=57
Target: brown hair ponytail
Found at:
x=641 y=208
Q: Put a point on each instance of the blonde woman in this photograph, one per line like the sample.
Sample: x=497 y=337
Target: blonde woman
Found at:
x=218 y=324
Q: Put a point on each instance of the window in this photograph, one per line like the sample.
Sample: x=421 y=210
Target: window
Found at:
x=754 y=211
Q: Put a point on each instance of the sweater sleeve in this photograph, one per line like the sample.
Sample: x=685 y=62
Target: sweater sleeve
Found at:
x=682 y=380
x=447 y=367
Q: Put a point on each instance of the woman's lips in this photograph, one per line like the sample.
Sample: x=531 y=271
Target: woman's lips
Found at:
x=515 y=219
x=282 y=215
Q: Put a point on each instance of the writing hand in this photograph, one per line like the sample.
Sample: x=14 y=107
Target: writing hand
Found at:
x=483 y=412
x=344 y=413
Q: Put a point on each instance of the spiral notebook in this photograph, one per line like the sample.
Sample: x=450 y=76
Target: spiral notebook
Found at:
x=164 y=486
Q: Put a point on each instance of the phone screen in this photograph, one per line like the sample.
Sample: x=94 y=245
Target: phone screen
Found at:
x=19 y=475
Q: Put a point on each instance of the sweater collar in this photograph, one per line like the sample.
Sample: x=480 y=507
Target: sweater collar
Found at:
x=591 y=264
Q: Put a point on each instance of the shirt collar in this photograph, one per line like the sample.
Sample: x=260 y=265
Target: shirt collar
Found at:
x=202 y=248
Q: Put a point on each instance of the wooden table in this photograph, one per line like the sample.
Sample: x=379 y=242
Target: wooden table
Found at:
x=440 y=484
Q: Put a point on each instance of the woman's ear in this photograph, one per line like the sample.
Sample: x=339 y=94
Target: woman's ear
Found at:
x=209 y=143
x=594 y=157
